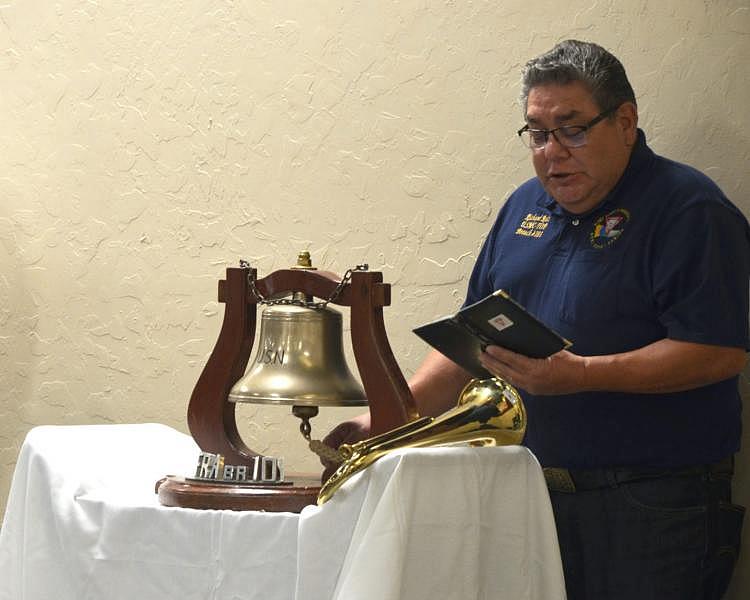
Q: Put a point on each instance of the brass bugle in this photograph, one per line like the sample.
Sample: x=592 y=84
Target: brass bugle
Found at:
x=490 y=412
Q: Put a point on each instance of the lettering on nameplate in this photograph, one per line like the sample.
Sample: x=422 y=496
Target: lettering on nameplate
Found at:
x=264 y=469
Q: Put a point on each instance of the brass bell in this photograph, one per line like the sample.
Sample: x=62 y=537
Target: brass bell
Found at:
x=299 y=360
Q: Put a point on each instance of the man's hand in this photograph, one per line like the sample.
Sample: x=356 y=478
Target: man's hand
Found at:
x=561 y=373
x=348 y=432
x=662 y=367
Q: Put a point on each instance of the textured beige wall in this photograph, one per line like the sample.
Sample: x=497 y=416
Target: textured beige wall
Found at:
x=146 y=146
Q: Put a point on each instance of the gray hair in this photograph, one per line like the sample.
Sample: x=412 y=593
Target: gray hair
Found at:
x=571 y=61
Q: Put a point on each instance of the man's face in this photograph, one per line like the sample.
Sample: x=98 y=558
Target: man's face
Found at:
x=579 y=178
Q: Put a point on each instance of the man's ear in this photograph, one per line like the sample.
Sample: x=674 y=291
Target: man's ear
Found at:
x=627 y=120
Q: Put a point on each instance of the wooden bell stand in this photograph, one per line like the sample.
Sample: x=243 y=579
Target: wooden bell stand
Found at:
x=211 y=417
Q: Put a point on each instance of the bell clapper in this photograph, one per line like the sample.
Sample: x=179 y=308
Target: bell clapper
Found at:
x=305 y=413
x=317 y=446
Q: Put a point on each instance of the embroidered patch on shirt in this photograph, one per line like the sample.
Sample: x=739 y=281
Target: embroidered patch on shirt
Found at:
x=533 y=225
x=609 y=227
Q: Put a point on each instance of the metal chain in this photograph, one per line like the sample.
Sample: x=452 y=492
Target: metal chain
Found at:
x=305 y=428
x=317 y=305
x=344 y=281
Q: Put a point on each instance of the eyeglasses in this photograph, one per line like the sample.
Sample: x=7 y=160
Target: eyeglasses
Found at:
x=570 y=136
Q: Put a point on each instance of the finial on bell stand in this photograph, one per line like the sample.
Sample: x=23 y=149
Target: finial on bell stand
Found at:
x=304 y=261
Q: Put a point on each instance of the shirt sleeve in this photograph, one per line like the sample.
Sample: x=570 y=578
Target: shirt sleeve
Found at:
x=480 y=282
x=700 y=275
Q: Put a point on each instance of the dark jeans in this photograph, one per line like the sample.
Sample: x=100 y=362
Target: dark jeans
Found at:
x=671 y=537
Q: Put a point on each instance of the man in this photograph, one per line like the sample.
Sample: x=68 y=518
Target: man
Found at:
x=643 y=264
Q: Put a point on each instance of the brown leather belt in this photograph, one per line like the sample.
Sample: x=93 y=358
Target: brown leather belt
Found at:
x=577 y=480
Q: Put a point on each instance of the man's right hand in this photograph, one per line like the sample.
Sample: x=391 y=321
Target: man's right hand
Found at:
x=348 y=432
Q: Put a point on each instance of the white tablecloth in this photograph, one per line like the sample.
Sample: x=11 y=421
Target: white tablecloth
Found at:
x=83 y=523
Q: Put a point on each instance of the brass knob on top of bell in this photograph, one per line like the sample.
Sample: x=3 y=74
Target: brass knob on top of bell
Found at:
x=299 y=361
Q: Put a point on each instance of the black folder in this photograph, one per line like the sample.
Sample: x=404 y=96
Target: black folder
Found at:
x=495 y=320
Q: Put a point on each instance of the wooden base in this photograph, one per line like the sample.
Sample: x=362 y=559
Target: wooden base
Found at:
x=187 y=493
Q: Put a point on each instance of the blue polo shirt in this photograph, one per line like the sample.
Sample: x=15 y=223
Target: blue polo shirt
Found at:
x=665 y=255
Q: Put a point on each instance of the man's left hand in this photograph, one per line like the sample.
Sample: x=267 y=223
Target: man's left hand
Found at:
x=561 y=373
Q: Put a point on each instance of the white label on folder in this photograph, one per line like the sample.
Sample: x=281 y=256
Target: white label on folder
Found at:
x=500 y=322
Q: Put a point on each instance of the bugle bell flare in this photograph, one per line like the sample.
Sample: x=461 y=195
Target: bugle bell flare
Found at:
x=490 y=412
